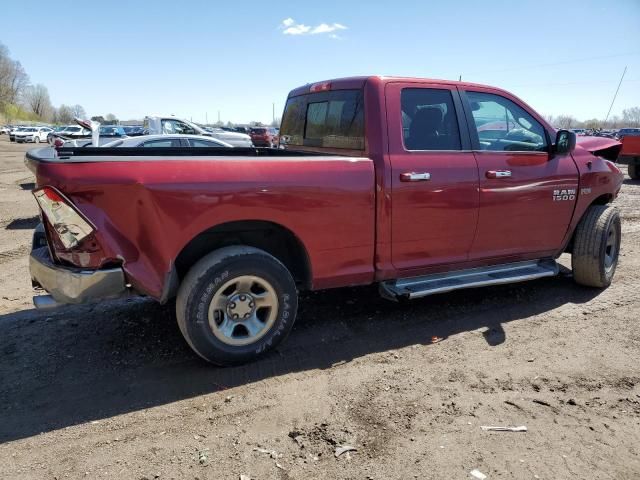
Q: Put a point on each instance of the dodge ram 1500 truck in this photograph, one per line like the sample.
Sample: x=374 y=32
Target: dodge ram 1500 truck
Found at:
x=421 y=186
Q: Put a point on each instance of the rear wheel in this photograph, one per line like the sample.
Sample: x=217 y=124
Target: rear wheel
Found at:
x=236 y=304
x=596 y=246
x=634 y=168
x=36 y=139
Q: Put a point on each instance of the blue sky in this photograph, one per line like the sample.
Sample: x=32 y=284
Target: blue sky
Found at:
x=196 y=58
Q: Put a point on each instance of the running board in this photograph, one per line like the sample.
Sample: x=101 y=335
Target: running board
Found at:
x=416 y=287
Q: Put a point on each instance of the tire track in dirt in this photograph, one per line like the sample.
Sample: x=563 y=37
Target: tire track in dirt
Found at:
x=13 y=254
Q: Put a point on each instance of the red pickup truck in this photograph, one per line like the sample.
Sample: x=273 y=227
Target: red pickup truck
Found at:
x=421 y=186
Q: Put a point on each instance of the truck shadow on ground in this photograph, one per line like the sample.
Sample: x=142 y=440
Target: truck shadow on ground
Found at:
x=80 y=364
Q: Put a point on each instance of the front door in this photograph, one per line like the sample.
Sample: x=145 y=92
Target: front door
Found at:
x=527 y=196
x=434 y=176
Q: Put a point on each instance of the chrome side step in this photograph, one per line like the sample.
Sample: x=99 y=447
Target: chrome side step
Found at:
x=416 y=287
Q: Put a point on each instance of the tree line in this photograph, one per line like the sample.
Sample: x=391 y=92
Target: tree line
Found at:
x=20 y=100
x=630 y=118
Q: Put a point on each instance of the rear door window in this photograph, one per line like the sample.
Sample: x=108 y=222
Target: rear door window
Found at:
x=429 y=120
x=333 y=119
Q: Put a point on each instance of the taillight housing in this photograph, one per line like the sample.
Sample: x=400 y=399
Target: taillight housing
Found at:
x=70 y=226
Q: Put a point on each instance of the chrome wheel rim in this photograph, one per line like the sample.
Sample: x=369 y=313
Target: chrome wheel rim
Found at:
x=243 y=310
x=611 y=248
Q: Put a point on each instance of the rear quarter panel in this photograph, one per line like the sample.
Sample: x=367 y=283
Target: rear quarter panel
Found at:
x=146 y=210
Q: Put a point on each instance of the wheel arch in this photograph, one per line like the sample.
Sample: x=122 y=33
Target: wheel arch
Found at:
x=271 y=237
x=603 y=199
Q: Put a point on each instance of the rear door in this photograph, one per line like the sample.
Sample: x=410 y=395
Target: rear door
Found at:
x=527 y=196
x=434 y=176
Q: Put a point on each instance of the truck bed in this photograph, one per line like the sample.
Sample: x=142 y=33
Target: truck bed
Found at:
x=48 y=154
x=148 y=204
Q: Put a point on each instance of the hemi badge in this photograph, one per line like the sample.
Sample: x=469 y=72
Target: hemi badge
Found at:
x=585 y=191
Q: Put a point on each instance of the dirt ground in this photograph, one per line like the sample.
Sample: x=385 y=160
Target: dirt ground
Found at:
x=113 y=391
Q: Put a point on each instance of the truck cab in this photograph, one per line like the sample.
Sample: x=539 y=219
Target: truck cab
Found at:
x=467 y=174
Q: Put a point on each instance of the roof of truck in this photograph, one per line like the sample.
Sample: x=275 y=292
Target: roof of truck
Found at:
x=346 y=83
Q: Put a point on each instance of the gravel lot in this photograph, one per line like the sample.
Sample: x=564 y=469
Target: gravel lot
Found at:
x=112 y=390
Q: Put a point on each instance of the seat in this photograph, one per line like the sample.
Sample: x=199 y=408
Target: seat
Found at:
x=424 y=130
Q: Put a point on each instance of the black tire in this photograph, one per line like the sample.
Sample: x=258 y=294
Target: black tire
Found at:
x=596 y=247
x=206 y=280
x=633 y=169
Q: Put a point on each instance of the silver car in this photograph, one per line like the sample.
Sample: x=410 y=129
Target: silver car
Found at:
x=163 y=141
x=173 y=126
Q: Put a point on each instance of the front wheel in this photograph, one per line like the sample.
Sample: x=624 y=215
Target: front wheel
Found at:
x=236 y=304
x=596 y=246
x=36 y=139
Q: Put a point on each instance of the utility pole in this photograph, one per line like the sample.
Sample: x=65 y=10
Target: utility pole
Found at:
x=218 y=117
x=206 y=118
x=273 y=113
x=615 y=94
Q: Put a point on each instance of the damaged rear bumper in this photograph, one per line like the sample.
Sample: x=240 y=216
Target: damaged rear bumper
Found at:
x=67 y=285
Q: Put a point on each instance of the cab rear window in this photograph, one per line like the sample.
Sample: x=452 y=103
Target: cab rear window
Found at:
x=333 y=119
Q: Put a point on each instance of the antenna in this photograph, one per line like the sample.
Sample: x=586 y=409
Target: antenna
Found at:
x=615 y=94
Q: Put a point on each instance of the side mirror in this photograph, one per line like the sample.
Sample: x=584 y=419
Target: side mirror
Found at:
x=565 y=142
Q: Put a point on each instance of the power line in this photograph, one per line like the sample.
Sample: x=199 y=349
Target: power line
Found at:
x=565 y=62
x=567 y=84
x=615 y=94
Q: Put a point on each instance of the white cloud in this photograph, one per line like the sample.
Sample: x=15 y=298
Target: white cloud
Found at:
x=299 y=29
x=290 y=27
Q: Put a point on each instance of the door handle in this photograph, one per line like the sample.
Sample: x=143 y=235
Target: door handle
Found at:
x=415 y=177
x=498 y=173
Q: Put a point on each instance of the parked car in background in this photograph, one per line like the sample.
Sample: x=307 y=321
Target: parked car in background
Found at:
x=32 y=134
x=74 y=131
x=107 y=133
x=578 y=131
x=112 y=131
x=168 y=141
x=14 y=130
x=133 y=130
x=264 y=137
x=398 y=186
x=5 y=129
x=628 y=132
x=157 y=125
x=56 y=130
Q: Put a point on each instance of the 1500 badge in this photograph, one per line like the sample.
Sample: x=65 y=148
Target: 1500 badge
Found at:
x=564 y=195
